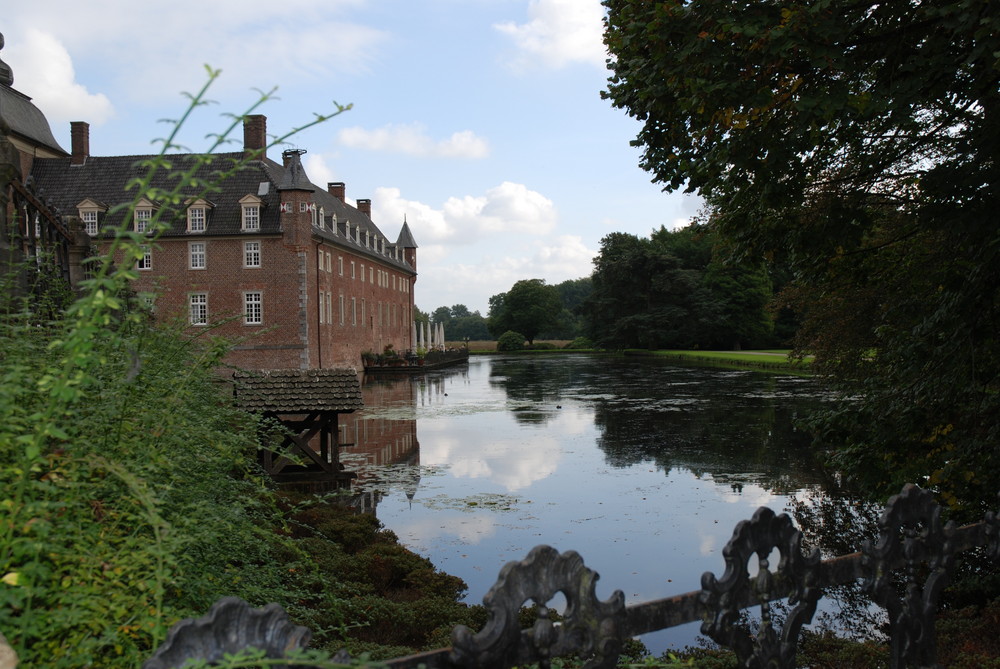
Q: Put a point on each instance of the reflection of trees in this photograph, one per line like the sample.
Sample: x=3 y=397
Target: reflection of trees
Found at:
x=534 y=386
x=718 y=424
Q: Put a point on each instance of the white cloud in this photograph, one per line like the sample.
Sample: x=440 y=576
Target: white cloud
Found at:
x=412 y=139
x=558 y=33
x=151 y=51
x=45 y=72
x=504 y=209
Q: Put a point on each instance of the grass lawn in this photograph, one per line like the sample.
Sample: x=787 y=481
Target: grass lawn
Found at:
x=768 y=359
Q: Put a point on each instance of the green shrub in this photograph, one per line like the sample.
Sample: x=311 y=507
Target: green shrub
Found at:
x=581 y=342
x=510 y=341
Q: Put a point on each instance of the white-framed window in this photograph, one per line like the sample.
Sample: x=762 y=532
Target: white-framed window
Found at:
x=197 y=257
x=196 y=219
x=251 y=218
x=89 y=211
x=253 y=308
x=146 y=261
x=90 y=222
x=354 y=311
x=304 y=207
x=362 y=272
x=322 y=307
x=394 y=282
x=250 y=213
x=319 y=259
x=329 y=264
x=340 y=265
x=329 y=308
x=251 y=254
x=333 y=222
x=198 y=308
x=322 y=219
x=362 y=311
x=371 y=275
x=142 y=219
x=341 y=309
x=352 y=269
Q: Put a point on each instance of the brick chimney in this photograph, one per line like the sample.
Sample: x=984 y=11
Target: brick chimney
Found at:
x=255 y=136
x=338 y=189
x=80 y=138
x=365 y=207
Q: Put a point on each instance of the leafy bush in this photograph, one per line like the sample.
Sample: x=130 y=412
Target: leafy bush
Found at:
x=510 y=341
x=581 y=342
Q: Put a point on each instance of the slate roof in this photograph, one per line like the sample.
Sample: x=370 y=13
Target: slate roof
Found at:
x=298 y=390
x=104 y=178
x=25 y=119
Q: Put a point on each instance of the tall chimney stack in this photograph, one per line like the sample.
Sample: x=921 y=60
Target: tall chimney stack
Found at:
x=80 y=139
x=338 y=189
x=365 y=207
x=255 y=136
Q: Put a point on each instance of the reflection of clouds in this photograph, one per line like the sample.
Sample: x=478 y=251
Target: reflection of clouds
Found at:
x=513 y=464
x=707 y=544
x=574 y=422
x=435 y=530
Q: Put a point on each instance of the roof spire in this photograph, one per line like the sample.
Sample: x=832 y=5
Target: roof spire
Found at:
x=6 y=74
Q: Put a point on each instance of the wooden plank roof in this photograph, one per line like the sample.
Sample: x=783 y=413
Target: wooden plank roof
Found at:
x=298 y=390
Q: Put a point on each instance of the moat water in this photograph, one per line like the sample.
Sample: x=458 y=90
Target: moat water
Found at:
x=642 y=467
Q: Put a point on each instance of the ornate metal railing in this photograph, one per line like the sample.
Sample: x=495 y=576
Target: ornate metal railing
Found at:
x=914 y=550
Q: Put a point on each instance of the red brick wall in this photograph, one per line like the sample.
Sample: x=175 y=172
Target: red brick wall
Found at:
x=377 y=311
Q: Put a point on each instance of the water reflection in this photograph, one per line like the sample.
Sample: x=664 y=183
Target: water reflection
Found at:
x=644 y=468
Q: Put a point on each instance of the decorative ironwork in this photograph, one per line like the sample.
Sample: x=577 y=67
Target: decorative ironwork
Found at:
x=913 y=544
x=911 y=533
x=795 y=575
x=231 y=625
x=590 y=628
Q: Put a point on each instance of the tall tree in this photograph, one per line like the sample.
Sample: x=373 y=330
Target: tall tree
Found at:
x=529 y=307
x=855 y=143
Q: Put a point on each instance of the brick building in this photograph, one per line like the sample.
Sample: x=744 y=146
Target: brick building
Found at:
x=291 y=272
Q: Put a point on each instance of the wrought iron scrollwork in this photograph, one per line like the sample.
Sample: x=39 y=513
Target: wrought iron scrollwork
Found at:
x=590 y=628
x=911 y=533
x=796 y=576
x=231 y=625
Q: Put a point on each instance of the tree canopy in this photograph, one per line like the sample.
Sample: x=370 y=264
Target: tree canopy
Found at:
x=855 y=144
x=529 y=307
x=671 y=291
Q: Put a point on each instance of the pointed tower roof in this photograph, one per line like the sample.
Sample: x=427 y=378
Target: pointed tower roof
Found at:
x=406 y=240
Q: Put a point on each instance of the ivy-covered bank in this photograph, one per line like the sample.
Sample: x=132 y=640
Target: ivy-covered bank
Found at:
x=142 y=504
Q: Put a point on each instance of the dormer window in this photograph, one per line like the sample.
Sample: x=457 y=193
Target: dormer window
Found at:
x=322 y=218
x=90 y=211
x=250 y=219
x=197 y=215
x=143 y=216
x=333 y=223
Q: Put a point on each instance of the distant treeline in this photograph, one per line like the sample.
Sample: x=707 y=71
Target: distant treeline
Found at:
x=673 y=289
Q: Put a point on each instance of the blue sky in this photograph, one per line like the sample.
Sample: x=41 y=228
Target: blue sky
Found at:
x=480 y=121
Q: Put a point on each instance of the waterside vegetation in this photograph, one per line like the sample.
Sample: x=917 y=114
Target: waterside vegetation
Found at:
x=131 y=497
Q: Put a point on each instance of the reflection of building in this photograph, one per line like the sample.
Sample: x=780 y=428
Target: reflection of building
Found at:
x=383 y=435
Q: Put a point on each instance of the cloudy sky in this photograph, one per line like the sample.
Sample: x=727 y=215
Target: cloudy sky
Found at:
x=480 y=121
